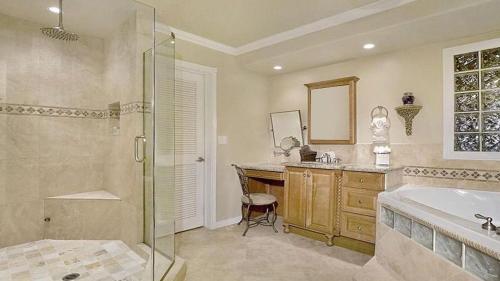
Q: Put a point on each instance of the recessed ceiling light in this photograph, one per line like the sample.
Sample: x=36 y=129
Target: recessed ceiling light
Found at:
x=369 y=46
x=54 y=10
x=277 y=67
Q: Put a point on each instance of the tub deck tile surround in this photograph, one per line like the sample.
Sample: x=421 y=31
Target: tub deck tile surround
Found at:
x=402 y=224
x=449 y=248
x=422 y=235
x=480 y=264
x=387 y=217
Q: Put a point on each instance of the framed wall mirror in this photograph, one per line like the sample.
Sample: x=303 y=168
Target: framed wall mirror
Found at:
x=286 y=124
x=332 y=111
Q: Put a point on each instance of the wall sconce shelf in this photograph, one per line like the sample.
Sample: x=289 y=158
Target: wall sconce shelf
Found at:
x=408 y=112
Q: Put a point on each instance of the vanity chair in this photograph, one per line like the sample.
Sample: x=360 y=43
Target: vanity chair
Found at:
x=249 y=200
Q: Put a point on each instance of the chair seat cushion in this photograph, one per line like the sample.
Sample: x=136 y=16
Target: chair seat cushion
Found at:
x=259 y=199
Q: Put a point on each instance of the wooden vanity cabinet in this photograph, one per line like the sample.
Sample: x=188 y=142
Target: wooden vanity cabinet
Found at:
x=340 y=205
x=311 y=201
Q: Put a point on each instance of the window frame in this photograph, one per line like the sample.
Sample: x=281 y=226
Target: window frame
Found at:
x=449 y=101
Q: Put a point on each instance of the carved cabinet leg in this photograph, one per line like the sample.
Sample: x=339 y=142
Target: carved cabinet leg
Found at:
x=286 y=228
x=329 y=241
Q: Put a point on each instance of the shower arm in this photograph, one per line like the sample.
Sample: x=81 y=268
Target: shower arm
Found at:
x=60 y=14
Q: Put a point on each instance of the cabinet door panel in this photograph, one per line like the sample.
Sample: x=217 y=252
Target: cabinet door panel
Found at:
x=321 y=200
x=295 y=197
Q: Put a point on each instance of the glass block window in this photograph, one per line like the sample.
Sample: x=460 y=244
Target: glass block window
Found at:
x=476 y=97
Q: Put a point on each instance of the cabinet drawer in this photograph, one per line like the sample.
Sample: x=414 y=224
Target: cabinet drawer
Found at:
x=372 y=181
x=264 y=175
x=358 y=227
x=359 y=201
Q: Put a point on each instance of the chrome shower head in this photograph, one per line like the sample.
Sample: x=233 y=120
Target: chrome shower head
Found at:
x=58 y=32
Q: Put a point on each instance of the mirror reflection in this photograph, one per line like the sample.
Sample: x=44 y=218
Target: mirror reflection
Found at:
x=332 y=111
x=286 y=124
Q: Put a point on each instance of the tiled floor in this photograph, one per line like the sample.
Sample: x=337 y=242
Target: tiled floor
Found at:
x=50 y=260
x=224 y=255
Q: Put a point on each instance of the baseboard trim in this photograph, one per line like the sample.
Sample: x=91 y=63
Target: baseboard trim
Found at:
x=227 y=222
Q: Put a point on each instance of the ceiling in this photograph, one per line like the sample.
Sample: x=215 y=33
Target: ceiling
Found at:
x=86 y=17
x=257 y=31
x=417 y=23
x=238 y=22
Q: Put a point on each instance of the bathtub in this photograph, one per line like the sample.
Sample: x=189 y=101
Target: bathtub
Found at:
x=450 y=210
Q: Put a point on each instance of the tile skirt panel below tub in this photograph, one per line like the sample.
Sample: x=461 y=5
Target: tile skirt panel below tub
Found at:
x=464 y=256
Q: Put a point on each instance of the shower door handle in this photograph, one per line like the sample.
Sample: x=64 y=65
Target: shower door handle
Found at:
x=138 y=158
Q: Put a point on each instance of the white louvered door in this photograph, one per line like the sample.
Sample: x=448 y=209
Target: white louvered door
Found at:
x=189 y=149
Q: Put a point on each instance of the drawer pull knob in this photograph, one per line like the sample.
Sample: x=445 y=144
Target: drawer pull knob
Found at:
x=359 y=228
x=359 y=202
x=361 y=180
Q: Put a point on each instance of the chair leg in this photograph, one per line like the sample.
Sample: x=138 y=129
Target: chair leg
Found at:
x=242 y=213
x=247 y=219
x=275 y=216
x=267 y=214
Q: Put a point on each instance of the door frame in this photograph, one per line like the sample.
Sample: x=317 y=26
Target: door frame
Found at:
x=210 y=96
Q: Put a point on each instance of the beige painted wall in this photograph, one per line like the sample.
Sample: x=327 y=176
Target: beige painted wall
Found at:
x=242 y=113
x=383 y=80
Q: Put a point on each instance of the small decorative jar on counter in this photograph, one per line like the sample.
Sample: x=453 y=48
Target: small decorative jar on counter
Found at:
x=408 y=98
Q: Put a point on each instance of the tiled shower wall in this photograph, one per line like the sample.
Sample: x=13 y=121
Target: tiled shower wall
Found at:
x=61 y=152
x=124 y=82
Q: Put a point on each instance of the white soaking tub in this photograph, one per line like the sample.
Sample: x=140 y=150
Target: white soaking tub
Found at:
x=451 y=210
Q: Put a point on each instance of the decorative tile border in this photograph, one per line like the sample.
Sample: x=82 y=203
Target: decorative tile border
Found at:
x=52 y=111
x=72 y=112
x=452 y=173
x=478 y=260
x=135 y=107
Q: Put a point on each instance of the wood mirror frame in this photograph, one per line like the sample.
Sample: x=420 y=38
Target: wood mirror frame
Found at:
x=346 y=81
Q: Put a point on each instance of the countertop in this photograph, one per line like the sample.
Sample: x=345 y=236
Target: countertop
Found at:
x=317 y=165
x=271 y=167
x=371 y=168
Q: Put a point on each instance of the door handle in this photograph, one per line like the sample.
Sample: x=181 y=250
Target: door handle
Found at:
x=200 y=159
x=136 y=151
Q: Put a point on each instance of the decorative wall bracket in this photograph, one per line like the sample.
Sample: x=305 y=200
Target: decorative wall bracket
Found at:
x=408 y=112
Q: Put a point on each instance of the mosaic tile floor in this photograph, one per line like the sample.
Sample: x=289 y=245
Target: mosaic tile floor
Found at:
x=51 y=260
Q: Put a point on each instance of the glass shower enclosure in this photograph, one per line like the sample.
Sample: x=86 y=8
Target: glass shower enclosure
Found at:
x=86 y=141
x=159 y=163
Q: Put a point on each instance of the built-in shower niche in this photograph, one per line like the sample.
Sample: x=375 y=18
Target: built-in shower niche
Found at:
x=94 y=215
x=114 y=118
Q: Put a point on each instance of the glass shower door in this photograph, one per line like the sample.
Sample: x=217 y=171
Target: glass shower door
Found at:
x=159 y=181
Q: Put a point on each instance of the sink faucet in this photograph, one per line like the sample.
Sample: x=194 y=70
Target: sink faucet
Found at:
x=327 y=158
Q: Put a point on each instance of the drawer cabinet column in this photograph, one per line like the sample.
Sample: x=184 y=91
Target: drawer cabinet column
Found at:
x=359 y=204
